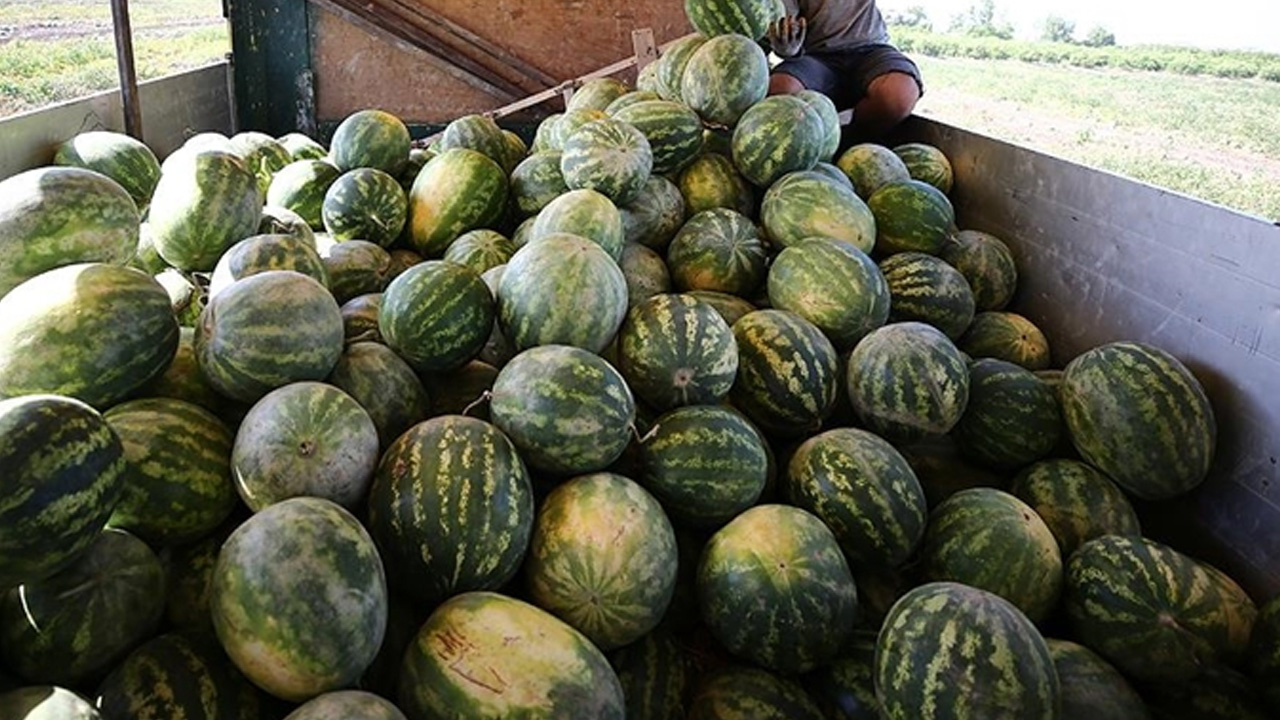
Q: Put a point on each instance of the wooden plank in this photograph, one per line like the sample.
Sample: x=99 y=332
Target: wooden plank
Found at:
x=271 y=44
x=645 y=46
x=125 y=65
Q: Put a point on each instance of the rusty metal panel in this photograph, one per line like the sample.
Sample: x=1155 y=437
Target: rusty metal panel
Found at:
x=1105 y=258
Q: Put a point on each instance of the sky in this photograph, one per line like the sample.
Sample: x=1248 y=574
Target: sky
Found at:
x=1228 y=24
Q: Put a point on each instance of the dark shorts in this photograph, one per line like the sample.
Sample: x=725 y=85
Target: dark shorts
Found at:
x=845 y=75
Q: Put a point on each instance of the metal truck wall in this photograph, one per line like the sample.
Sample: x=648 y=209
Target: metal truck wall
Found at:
x=1102 y=258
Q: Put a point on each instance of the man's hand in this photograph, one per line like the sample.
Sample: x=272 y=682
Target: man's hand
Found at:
x=786 y=36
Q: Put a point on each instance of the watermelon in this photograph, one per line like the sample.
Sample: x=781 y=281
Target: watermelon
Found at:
x=943 y=471
x=672 y=63
x=928 y=164
x=723 y=77
x=487 y=655
x=713 y=181
x=911 y=216
x=122 y=158
x=585 y=213
x=187 y=573
x=463 y=391
x=545 y=135
x=476 y=132
x=646 y=273
x=267 y=252
x=404 y=617
x=673 y=129
x=536 y=181
x=302 y=147
x=778 y=135
x=925 y=289
x=262 y=155
x=451 y=508
x=1264 y=651
x=656 y=674
x=436 y=315
x=786 y=372
x=952 y=652
x=833 y=174
x=597 y=94
x=571 y=122
x=402 y=259
x=266 y=331
x=609 y=156
x=72 y=626
x=170 y=676
x=360 y=318
x=1217 y=693
x=1077 y=502
x=845 y=689
x=1012 y=418
x=705 y=463
x=1006 y=336
x=906 y=381
x=384 y=385
x=646 y=81
x=204 y=203
x=372 y=139
x=870 y=167
x=516 y=150
x=305 y=439
x=480 y=250
x=989 y=539
x=418 y=158
x=567 y=410
x=655 y=216
x=44 y=702
x=718 y=249
x=347 y=705
x=64 y=473
x=355 y=268
x=802 y=205
x=497 y=350
x=864 y=490
x=832 y=284
x=743 y=17
x=177 y=485
x=94 y=332
x=1091 y=688
x=302 y=547
x=775 y=589
x=602 y=558
x=188 y=295
x=632 y=97
x=278 y=220
x=1139 y=415
x=365 y=204
x=182 y=379
x=985 y=261
x=674 y=350
x=457 y=191
x=730 y=307
x=51 y=217
x=740 y=692
x=545 y=287
x=826 y=110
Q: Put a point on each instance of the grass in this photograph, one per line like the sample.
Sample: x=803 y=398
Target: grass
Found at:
x=142 y=13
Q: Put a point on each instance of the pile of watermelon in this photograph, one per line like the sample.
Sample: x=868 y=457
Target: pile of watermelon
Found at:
x=679 y=412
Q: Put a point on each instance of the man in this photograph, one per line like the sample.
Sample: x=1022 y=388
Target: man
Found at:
x=841 y=49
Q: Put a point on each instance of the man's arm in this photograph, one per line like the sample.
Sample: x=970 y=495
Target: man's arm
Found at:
x=786 y=36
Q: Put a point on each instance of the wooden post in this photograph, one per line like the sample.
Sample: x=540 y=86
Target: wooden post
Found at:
x=645 y=46
x=128 y=75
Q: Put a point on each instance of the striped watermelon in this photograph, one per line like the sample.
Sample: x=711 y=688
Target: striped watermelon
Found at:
x=355 y=268
x=188 y=571
x=170 y=676
x=571 y=122
x=845 y=689
x=985 y=261
x=748 y=693
x=925 y=289
x=787 y=369
x=476 y=132
x=602 y=558
x=597 y=94
x=632 y=97
x=826 y=110
x=609 y=156
x=730 y=307
x=44 y=702
x=64 y=472
x=1091 y=688
x=775 y=589
x=832 y=284
x=1217 y=693
x=713 y=181
x=404 y=617
x=365 y=204
x=360 y=318
x=204 y=203
x=870 y=167
x=372 y=139
x=545 y=287
x=778 y=135
x=989 y=539
x=1139 y=415
x=705 y=463
x=384 y=385
x=457 y=191
x=1077 y=502
x=951 y=652
x=1264 y=652
x=436 y=315
x=674 y=132
x=536 y=181
x=646 y=273
x=480 y=250
x=302 y=147
x=646 y=81
x=544 y=138
x=302 y=547
x=261 y=154
x=187 y=296
x=833 y=174
x=418 y=159
x=516 y=150
x=906 y=381
x=1012 y=418
x=722 y=17
x=655 y=216
x=177 y=484
x=567 y=410
x=656 y=674
x=278 y=220
x=305 y=439
x=672 y=64
x=674 y=350
x=804 y=204
x=347 y=705
x=451 y=508
x=93 y=332
x=864 y=490
x=911 y=216
x=463 y=391
x=266 y=331
x=587 y=214
x=1154 y=613
x=497 y=350
x=718 y=249
x=402 y=259
x=122 y=158
x=723 y=77
x=481 y=654
x=267 y=252
x=943 y=471
x=928 y=164
x=1006 y=336
x=182 y=379
x=71 y=627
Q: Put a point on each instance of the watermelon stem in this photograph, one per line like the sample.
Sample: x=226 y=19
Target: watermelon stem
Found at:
x=642 y=439
x=485 y=397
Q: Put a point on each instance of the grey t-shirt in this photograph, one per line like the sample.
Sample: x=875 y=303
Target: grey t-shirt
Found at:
x=839 y=24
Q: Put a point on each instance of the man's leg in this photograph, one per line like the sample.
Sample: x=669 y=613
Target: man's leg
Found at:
x=781 y=83
x=889 y=100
